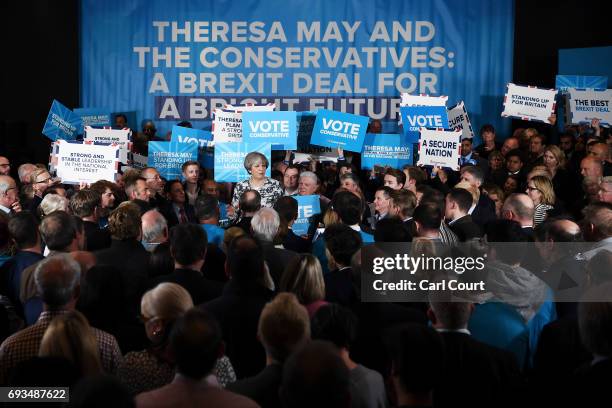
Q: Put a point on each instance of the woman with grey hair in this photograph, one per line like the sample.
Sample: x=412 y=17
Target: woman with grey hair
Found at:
x=268 y=188
x=51 y=203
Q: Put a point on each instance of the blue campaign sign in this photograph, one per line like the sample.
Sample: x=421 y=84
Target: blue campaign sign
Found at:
x=201 y=138
x=229 y=160
x=415 y=117
x=383 y=149
x=336 y=129
x=62 y=123
x=95 y=117
x=275 y=127
x=178 y=61
x=308 y=206
x=580 y=81
x=168 y=157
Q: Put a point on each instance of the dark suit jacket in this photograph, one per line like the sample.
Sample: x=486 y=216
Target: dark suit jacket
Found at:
x=484 y=211
x=237 y=310
x=132 y=260
x=466 y=229
x=170 y=215
x=339 y=287
x=296 y=243
x=277 y=259
x=97 y=238
x=261 y=388
x=201 y=289
x=476 y=374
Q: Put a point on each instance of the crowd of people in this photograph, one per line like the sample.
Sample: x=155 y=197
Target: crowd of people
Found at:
x=150 y=292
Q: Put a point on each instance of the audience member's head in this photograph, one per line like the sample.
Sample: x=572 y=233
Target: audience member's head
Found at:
x=382 y=199
x=229 y=235
x=23 y=229
x=84 y=203
x=427 y=218
x=154 y=228
x=124 y=222
x=597 y=221
x=284 y=326
x=153 y=180
x=290 y=178
x=106 y=189
x=287 y=209
x=8 y=192
x=506 y=238
x=350 y=182
x=308 y=183
x=519 y=208
x=249 y=202
x=53 y=202
x=394 y=179
x=60 y=232
x=341 y=243
x=348 y=206
x=511 y=143
x=245 y=260
x=458 y=203
x=591 y=167
x=160 y=307
x=315 y=376
x=303 y=277
x=188 y=243
x=57 y=281
x=448 y=315
x=473 y=175
x=514 y=161
x=25 y=171
x=415 y=176
x=403 y=203
x=136 y=189
x=336 y=324
x=207 y=209
x=196 y=343
x=265 y=224
x=70 y=336
x=605 y=190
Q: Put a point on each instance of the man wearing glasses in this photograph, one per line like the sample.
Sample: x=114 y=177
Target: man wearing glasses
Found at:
x=156 y=185
x=5 y=166
x=9 y=199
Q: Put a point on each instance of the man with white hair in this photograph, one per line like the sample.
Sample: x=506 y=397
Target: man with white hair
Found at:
x=24 y=171
x=605 y=190
x=58 y=282
x=9 y=196
x=154 y=230
x=309 y=184
x=265 y=224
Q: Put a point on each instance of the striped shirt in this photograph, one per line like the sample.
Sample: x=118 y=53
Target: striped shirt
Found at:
x=540 y=214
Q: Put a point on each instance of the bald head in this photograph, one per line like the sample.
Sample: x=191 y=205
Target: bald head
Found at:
x=154 y=227
x=519 y=208
x=590 y=166
x=510 y=143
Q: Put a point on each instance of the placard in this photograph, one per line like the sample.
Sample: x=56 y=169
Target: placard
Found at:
x=168 y=157
x=277 y=128
x=308 y=206
x=563 y=82
x=305 y=125
x=201 y=138
x=458 y=119
x=529 y=103
x=416 y=117
x=61 y=123
x=269 y=107
x=423 y=100
x=588 y=104
x=120 y=137
x=227 y=123
x=441 y=148
x=139 y=161
x=229 y=160
x=99 y=117
x=383 y=149
x=336 y=129
x=84 y=162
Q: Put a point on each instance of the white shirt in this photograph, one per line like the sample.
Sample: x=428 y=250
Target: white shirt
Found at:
x=5 y=209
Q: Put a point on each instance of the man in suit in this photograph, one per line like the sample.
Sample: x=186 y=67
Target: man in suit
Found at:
x=519 y=207
x=196 y=344
x=470 y=158
x=476 y=374
x=177 y=209
x=265 y=224
x=249 y=204
x=484 y=211
x=188 y=248
x=84 y=204
x=239 y=307
x=458 y=203
x=341 y=243
x=9 y=196
x=126 y=253
x=156 y=185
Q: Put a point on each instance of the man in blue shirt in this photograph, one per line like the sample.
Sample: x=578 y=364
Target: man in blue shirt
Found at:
x=207 y=213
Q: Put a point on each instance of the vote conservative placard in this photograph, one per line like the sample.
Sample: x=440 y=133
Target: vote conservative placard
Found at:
x=529 y=103
x=168 y=157
x=382 y=149
x=440 y=148
x=336 y=129
x=416 y=117
x=588 y=104
x=308 y=206
x=229 y=160
x=276 y=127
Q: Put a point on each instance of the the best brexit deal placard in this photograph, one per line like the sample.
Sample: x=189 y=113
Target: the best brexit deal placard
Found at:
x=61 y=123
x=440 y=148
x=276 y=128
x=381 y=149
x=416 y=117
x=84 y=162
x=229 y=160
x=458 y=119
x=99 y=117
x=308 y=206
x=120 y=137
x=168 y=157
x=588 y=104
x=529 y=103
x=336 y=129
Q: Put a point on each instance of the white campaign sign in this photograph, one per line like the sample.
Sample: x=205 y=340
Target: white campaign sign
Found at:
x=423 y=100
x=439 y=148
x=85 y=163
x=251 y=108
x=120 y=137
x=227 y=126
x=588 y=104
x=458 y=120
x=529 y=103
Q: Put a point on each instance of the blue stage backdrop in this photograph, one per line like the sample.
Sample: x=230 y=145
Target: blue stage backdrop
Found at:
x=178 y=61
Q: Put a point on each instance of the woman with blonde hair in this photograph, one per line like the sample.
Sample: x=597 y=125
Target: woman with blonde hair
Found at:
x=40 y=179
x=303 y=277
x=51 y=203
x=153 y=368
x=562 y=180
x=541 y=192
x=70 y=336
